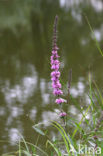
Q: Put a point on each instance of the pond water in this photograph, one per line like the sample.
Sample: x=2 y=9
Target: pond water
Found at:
x=25 y=48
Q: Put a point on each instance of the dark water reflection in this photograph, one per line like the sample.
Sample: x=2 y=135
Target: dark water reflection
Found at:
x=25 y=48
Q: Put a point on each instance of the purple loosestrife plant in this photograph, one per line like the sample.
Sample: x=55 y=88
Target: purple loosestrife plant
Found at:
x=55 y=74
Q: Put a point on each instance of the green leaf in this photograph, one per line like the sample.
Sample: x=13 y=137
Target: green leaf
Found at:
x=26 y=153
x=54 y=147
x=38 y=130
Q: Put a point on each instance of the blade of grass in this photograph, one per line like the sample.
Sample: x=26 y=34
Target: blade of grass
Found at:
x=65 y=141
x=26 y=153
x=19 y=149
x=75 y=131
x=98 y=99
x=54 y=147
x=37 y=148
x=66 y=137
x=69 y=140
x=97 y=44
x=25 y=143
x=98 y=92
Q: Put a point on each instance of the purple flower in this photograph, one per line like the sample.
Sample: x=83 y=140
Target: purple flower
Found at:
x=56 y=84
x=62 y=114
x=55 y=47
x=55 y=62
x=60 y=100
x=55 y=74
x=53 y=57
x=57 y=92
x=54 y=78
x=55 y=66
x=54 y=52
x=56 y=56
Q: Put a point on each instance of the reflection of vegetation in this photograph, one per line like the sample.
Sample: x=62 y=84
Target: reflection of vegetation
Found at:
x=28 y=19
x=15 y=12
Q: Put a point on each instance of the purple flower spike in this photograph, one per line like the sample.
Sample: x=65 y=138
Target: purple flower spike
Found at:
x=60 y=101
x=62 y=114
x=55 y=64
x=55 y=74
